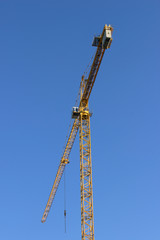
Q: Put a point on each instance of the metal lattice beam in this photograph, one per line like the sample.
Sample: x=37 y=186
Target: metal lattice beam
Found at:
x=63 y=162
x=87 y=220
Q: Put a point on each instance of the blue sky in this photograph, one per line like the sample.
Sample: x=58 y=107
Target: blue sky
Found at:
x=45 y=46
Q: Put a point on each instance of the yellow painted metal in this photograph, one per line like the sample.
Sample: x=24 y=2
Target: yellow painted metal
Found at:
x=95 y=66
x=83 y=124
x=86 y=189
x=63 y=162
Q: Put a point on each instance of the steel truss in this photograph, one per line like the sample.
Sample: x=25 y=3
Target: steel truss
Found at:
x=87 y=223
x=86 y=189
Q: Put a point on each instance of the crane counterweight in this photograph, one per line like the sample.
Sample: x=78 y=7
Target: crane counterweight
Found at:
x=105 y=39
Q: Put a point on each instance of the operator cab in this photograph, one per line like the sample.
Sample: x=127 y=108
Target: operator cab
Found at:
x=75 y=112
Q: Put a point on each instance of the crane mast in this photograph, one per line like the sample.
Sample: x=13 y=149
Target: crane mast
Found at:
x=87 y=221
x=81 y=116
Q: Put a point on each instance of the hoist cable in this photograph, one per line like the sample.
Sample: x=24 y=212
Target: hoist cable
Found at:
x=65 y=200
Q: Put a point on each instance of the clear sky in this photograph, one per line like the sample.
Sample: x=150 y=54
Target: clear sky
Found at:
x=45 y=46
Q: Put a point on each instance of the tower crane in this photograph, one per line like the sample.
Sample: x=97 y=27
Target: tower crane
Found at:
x=81 y=116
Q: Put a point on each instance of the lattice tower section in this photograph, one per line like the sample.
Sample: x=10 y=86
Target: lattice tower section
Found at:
x=86 y=189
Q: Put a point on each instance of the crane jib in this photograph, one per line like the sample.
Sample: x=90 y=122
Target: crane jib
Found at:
x=63 y=162
x=93 y=73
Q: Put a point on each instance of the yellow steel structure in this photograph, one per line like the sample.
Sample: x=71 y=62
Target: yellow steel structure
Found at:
x=82 y=123
x=87 y=221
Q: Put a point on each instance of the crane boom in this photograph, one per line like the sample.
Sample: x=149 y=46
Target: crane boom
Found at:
x=102 y=42
x=95 y=66
x=63 y=162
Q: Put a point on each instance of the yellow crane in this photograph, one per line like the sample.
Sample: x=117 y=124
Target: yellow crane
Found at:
x=81 y=116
